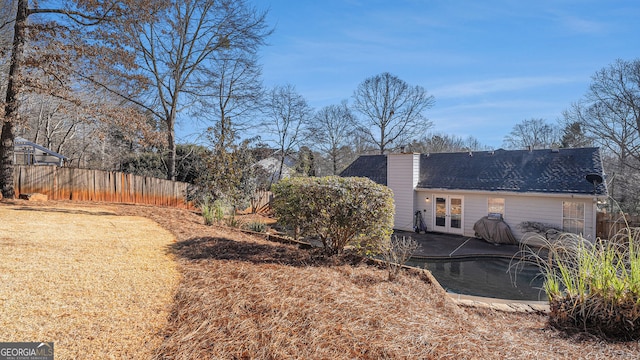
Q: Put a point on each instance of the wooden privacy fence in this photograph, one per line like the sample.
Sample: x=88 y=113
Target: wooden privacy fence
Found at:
x=60 y=183
x=608 y=224
x=261 y=202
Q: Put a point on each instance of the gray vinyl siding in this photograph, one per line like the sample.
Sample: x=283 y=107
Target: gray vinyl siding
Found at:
x=475 y=207
x=403 y=170
x=425 y=207
x=518 y=208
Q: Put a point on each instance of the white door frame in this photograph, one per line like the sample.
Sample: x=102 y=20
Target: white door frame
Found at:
x=448 y=215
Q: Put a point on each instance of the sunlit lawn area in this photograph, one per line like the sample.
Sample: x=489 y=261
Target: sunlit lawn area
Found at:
x=98 y=285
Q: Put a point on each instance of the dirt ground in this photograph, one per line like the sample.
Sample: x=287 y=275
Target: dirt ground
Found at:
x=242 y=297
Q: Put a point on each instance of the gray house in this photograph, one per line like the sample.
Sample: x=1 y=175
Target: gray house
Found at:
x=26 y=152
x=454 y=190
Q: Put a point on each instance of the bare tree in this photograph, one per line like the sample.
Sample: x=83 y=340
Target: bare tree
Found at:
x=288 y=114
x=392 y=110
x=87 y=139
x=533 y=134
x=53 y=49
x=233 y=96
x=609 y=113
x=610 y=110
x=229 y=169
x=331 y=131
x=473 y=144
x=235 y=93
x=396 y=252
x=6 y=36
x=182 y=48
x=48 y=122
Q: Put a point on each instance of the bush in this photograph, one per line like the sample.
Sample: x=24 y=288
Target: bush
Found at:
x=396 y=253
x=595 y=287
x=337 y=210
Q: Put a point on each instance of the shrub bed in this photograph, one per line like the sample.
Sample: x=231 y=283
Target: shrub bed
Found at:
x=336 y=210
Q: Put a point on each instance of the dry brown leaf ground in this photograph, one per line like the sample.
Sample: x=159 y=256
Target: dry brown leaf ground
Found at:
x=245 y=298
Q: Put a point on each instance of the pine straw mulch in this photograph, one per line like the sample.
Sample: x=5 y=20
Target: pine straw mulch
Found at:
x=97 y=284
x=245 y=298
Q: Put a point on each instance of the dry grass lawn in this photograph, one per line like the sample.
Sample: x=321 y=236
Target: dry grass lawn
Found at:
x=241 y=297
x=96 y=284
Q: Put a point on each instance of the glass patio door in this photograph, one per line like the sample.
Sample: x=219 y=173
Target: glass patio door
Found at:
x=448 y=214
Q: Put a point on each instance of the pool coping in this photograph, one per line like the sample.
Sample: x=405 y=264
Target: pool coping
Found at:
x=505 y=305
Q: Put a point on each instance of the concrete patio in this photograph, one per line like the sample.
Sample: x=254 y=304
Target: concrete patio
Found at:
x=447 y=246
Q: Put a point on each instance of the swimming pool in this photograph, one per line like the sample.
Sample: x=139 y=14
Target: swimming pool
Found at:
x=487 y=277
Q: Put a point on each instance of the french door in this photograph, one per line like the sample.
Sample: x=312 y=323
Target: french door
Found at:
x=447 y=214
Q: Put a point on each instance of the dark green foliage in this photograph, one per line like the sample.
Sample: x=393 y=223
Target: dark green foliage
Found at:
x=305 y=164
x=229 y=170
x=190 y=163
x=338 y=211
x=573 y=136
x=148 y=163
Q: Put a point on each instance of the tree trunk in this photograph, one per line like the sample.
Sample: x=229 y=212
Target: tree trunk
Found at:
x=171 y=140
x=11 y=109
x=282 y=158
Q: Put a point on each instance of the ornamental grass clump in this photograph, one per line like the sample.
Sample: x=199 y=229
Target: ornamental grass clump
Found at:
x=208 y=211
x=256 y=226
x=595 y=287
x=212 y=212
x=338 y=211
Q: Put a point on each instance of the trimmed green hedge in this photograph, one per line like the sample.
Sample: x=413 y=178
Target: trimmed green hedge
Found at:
x=336 y=210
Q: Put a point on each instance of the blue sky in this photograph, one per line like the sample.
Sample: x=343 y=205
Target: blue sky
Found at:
x=489 y=64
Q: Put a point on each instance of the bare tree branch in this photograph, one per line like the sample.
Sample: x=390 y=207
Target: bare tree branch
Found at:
x=392 y=110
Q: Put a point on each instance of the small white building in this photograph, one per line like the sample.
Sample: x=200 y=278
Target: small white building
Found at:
x=26 y=152
x=454 y=190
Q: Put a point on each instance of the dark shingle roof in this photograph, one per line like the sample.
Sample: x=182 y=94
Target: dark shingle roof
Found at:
x=542 y=171
x=373 y=167
x=547 y=171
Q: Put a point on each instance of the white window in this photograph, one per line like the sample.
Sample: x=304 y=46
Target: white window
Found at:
x=573 y=217
x=495 y=206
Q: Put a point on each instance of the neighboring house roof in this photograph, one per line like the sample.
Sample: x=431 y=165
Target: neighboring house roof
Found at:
x=373 y=167
x=25 y=147
x=272 y=166
x=541 y=171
